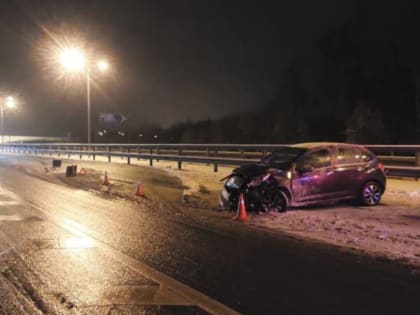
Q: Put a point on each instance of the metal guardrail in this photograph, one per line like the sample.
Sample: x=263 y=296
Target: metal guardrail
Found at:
x=406 y=163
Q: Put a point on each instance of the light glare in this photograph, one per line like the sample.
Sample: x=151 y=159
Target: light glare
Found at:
x=103 y=65
x=72 y=60
x=10 y=102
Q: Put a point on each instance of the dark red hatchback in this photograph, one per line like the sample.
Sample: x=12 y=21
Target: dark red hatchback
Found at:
x=307 y=173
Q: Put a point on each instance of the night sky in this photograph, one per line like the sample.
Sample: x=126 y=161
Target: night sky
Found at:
x=171 y=61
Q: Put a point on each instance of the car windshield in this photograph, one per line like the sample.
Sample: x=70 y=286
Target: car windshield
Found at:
x=283 y=156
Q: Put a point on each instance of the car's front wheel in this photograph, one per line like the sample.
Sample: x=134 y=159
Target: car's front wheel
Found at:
x=276 y=200
x=371 y=193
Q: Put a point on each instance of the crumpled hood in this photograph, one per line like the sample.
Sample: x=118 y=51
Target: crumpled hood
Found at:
x=250 y=170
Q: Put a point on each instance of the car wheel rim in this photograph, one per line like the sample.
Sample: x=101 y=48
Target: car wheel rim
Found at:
x=372 y=194
x=275 y=201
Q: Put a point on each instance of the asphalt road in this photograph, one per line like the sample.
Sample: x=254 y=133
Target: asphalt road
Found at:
x=252 y=273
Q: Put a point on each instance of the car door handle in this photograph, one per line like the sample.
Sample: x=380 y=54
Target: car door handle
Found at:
x=330 y=171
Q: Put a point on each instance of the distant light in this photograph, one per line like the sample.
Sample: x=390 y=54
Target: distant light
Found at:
x=100 y=133
x=10 y=102
x=72 y=59
x=141 y=135
x=103 y=65
x=155 y=136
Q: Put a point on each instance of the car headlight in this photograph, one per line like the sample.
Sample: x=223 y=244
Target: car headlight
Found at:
x=235 y=182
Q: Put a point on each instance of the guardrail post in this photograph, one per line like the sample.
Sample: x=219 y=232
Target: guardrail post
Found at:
x=179 y=165
x=215 y=167
x=128 y=156
x=179 y=151
x=208 y=154
x=417 y=158
x=94 y=155
x=59 y=153
x=80 y=154
x=151 y=162
x=109 y=154
x=138 y=152
x=157 y=152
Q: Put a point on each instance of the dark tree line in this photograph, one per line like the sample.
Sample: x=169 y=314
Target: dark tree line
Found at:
x=350 y=87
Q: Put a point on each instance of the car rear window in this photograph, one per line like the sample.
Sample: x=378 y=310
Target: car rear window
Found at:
x=352 y=155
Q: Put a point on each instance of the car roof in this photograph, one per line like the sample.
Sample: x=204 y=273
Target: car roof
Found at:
x=311 y=145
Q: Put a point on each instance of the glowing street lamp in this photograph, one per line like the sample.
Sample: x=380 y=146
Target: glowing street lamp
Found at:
x=10 y=103
x=74 y=60
x=103 y=65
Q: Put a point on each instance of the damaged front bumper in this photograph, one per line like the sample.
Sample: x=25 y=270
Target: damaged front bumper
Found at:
x=229 y=199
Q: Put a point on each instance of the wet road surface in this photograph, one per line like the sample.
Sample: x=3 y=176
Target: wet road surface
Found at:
x=78 y=252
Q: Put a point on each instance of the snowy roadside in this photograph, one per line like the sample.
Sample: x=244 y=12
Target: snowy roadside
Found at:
x=390 y=230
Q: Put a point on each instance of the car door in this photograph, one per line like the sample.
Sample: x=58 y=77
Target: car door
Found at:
x=351 y=167
x=313 y=175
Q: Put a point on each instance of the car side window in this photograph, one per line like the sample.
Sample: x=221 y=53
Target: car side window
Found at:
x=315 y=159
x=351 y=156
x=348 y=156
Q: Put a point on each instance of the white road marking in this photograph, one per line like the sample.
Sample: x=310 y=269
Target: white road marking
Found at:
x=8 y=203
x=11 y=248
x=9 y=194
x=168 y=285
x=9 y=198
x=11 y=217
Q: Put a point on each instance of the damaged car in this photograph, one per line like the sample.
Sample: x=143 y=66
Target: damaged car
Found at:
x=306 y=174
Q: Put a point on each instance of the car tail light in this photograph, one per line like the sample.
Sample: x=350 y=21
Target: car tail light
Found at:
x=381 y=166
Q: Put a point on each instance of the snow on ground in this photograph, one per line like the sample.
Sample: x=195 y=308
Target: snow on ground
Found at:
x=390 y=230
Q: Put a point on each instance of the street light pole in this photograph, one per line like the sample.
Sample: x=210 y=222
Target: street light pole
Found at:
x=2 y=122
x=74 y=60
x=10 y=103
x=88 y=104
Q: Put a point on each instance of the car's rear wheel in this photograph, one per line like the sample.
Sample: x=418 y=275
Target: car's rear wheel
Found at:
x=371 y=193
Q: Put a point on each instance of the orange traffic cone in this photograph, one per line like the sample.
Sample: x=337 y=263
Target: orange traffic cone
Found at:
x=82 y=172
x=139 y=189
x=106 y=179
x=241 y=213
